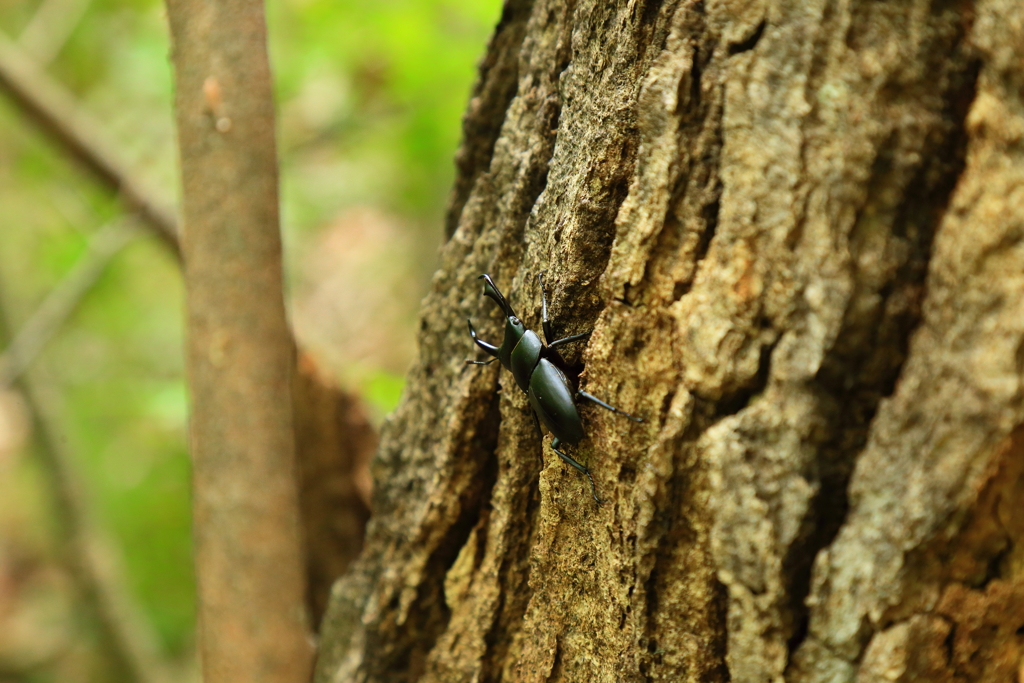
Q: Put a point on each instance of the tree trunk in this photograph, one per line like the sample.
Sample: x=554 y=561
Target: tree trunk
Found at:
x=251 y=569
x=797 y=229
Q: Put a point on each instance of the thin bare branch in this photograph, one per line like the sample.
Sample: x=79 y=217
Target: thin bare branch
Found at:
x=55 y=110
x=50 y=27
x=62 y=301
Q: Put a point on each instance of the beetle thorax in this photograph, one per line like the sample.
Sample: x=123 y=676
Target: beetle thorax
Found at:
x=525 y=357
x=514 y=331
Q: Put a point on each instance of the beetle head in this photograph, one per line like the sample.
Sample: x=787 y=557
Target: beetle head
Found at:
x=514 y=327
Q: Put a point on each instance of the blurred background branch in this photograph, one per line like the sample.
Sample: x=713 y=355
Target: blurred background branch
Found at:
x=61 y=302
x=50 y=27
x=50 y=106
x=92 y=559
x=335 y=448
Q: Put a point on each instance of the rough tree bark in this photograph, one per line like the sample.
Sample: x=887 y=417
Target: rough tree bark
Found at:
x=797 y=229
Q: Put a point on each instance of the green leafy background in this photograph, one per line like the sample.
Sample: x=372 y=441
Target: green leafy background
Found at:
x=370 y=96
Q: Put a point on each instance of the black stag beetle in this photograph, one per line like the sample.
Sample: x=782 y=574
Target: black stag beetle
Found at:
x=540 y=372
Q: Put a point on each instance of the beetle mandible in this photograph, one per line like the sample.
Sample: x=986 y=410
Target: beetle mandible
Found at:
x=539 y=370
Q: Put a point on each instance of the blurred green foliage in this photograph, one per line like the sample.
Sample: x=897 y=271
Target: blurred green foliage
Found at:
x=387 y=82
x=370 y=97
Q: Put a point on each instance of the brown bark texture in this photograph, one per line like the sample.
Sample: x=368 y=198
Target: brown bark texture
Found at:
x=246 y=524
x=797 y=230
x=334 y=441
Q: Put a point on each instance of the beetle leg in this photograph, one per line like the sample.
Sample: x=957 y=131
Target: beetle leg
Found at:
x=540 y=435
x=595 y=399
x=566 y=340
x=555 y=443
x=489 y=348
x=548 y=334
x=544 y=309
x=480 y=362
